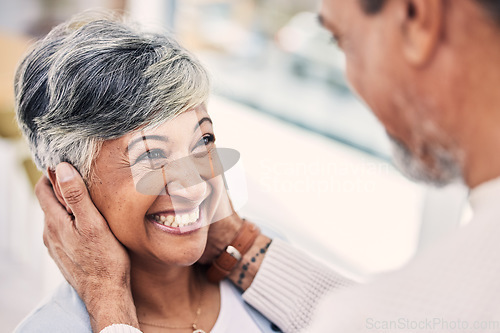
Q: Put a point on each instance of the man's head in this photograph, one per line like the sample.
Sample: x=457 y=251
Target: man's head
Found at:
x=491 y=6
x=419 y=64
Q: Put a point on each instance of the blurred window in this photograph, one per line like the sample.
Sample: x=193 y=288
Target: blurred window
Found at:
x=275 y=57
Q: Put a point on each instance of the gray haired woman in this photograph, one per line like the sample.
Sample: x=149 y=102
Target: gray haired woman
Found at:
x=120 y=104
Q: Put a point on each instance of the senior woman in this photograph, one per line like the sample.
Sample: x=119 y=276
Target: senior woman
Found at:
x=120 y=105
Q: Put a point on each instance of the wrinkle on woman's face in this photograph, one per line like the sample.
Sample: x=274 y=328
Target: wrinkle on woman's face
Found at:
x=129 y=210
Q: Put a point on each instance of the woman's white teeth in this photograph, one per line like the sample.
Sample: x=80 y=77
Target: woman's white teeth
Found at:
x=180 y=220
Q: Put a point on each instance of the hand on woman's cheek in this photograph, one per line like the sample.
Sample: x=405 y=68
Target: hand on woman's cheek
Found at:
x=185 y=195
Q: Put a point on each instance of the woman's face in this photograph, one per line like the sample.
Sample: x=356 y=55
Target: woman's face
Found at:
x=158 y=189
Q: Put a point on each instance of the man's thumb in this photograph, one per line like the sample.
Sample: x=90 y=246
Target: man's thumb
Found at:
x=73 y=189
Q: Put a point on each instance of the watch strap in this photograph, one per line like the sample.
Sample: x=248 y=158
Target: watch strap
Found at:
x=232 y=254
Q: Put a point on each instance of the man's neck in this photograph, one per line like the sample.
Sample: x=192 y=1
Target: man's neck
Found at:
x=479 y=133
x=482 y=156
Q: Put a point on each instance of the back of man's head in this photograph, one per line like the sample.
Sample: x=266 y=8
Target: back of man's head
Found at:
x=428 y=69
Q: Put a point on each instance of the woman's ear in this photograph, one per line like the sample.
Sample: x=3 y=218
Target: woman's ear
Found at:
x=57 y=189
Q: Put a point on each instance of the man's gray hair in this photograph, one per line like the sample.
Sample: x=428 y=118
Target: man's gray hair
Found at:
x=96 y=78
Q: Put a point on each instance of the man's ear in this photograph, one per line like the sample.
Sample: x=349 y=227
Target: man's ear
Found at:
x=422 y=29
x=57 y=189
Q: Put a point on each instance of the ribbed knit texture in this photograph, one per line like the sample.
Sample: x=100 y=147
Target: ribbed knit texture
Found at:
x=289 y=285
x=452 y=286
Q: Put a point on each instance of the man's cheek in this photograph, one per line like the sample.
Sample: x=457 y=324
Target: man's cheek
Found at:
x=355 y=82
x=355 y=72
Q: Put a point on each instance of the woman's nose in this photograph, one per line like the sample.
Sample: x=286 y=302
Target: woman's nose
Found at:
x=186 y=182
x=188 y=190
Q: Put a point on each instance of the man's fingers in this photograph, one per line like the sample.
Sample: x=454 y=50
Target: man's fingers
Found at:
x=57 y=218
x=75 y=195
x=57 y=253
x=41 y=186
x=47 y=199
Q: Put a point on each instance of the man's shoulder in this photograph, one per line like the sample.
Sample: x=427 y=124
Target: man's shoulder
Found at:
x=63 y=311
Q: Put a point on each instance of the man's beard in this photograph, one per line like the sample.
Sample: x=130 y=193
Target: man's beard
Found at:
x=446 y=168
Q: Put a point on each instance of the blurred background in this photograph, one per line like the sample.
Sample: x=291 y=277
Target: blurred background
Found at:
x=317 y=163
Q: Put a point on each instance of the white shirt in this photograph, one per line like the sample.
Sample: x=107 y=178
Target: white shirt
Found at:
x=233 y=317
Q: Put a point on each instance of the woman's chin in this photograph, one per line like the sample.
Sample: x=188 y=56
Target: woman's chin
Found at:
x=188 y=259
x=182 y=256
x=166 y=256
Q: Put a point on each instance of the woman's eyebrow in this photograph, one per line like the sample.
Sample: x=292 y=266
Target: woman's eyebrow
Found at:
x=144 y=138
x=202 y=120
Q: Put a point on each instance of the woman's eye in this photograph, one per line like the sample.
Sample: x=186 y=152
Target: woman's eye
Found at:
x=206 y=140
x=202 y=146
x=151 y=155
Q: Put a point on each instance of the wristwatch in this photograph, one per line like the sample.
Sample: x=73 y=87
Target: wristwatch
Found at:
x=232 y=254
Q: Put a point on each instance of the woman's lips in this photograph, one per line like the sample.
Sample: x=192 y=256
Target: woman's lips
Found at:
x=177 y=223
x=173 y=219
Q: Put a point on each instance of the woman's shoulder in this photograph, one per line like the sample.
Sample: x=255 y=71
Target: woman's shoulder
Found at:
x=63 y=311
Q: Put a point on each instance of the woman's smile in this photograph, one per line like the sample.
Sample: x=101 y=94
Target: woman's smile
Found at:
x=136 y=128
x=179 y=222
x=160 y=207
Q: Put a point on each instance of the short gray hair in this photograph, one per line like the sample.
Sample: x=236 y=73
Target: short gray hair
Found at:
x=96 y=78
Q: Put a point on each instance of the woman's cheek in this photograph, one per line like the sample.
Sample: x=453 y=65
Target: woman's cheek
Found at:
x=219 y=204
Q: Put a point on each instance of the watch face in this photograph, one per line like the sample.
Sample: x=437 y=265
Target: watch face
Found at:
x=233 y=252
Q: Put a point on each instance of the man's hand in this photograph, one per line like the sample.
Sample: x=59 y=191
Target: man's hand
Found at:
x=87 y=253
x=220 y=234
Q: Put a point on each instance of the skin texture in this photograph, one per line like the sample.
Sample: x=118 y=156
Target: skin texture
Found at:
x=100 y=272
x=429 y=71
x=165 y=287
x=103 y=284
x=407 y=62
x=115 y=195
